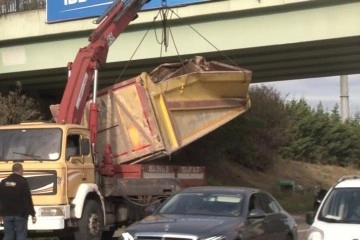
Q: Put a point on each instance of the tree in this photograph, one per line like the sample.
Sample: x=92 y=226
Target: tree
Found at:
x=17 y=107
x=297 y=130
x=257 y=135
x=321 y=137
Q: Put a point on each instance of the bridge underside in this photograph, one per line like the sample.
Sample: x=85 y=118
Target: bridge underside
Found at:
x=290 y=41
x=331 y=57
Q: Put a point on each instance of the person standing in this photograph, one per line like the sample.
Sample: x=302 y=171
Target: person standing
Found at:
x=16 y=204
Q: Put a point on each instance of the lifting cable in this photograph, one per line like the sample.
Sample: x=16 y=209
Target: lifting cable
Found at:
x=137 y=48
x=166 y=32
x=203 y=37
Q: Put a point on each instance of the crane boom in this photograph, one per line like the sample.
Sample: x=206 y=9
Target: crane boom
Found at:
x=88 y=59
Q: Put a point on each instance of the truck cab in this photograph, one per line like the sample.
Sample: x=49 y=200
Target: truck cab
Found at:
x=56 y=160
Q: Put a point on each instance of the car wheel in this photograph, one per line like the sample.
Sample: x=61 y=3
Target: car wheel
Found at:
x=91 y=223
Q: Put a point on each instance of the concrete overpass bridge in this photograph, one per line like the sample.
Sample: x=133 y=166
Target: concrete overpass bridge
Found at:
x=276 y=39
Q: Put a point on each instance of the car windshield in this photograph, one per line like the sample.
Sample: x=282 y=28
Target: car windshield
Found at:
x=204 y=204
x=30 y=144
x=342 y=205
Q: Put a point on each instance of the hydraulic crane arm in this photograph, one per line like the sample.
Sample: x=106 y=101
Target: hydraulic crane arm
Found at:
x=83 y=70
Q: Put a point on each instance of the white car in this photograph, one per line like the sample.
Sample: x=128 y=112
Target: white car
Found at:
x=338 y=217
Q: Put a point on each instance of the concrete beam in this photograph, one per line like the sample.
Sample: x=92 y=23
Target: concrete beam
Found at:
x=277 y=40
x=238 y=30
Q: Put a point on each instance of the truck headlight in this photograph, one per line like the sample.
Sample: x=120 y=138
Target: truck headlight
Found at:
x=315 y=234
x=50 y=211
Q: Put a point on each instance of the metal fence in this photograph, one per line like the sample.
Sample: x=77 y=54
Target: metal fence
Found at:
x=11 y=6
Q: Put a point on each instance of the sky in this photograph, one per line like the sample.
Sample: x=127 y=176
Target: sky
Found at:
x=325 y=90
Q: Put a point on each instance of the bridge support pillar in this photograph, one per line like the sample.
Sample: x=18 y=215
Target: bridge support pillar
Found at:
x=344 y=97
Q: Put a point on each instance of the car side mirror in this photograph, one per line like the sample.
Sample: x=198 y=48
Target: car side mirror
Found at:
x=256 y=213
x=310 y=217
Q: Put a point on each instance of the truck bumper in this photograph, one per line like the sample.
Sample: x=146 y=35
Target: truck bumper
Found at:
x=47 y=223
x=49 y=218
x=44 y=223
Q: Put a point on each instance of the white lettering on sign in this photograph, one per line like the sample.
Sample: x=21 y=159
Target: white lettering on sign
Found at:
x=70 y=2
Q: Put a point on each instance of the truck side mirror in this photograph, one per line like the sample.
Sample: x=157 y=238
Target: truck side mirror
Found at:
x=85 y=146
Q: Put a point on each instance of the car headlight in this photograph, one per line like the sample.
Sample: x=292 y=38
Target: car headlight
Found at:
x=315 y=234
x=219 y=237
x=126 y=236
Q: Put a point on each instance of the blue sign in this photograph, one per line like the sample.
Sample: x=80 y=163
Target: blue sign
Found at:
x=65 y=10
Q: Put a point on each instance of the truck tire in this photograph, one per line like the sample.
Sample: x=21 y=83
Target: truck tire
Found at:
x=91 y=224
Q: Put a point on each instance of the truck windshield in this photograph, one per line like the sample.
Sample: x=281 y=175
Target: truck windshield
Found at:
x=342 y=205
x=30 y=144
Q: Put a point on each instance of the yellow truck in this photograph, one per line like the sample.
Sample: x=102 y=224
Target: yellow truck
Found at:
x=92 y=169
x=85 y=190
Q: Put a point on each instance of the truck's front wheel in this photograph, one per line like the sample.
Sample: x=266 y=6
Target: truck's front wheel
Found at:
x=91 y=223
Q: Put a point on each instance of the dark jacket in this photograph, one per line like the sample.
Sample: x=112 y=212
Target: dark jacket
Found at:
x=15 y=197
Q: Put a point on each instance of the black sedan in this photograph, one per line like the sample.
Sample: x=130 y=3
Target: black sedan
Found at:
x=216 y=213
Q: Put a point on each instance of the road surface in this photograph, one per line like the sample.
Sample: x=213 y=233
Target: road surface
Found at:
x=303 y=227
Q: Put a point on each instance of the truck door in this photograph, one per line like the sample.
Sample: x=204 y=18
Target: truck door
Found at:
x=80 y=167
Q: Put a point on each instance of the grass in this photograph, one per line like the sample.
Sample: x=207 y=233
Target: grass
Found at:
x=296 y=203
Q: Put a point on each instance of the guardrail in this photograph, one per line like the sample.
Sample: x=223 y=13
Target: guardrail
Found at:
x=12 y=6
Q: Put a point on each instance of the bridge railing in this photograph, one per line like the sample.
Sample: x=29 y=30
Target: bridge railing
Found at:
x=12 y=6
